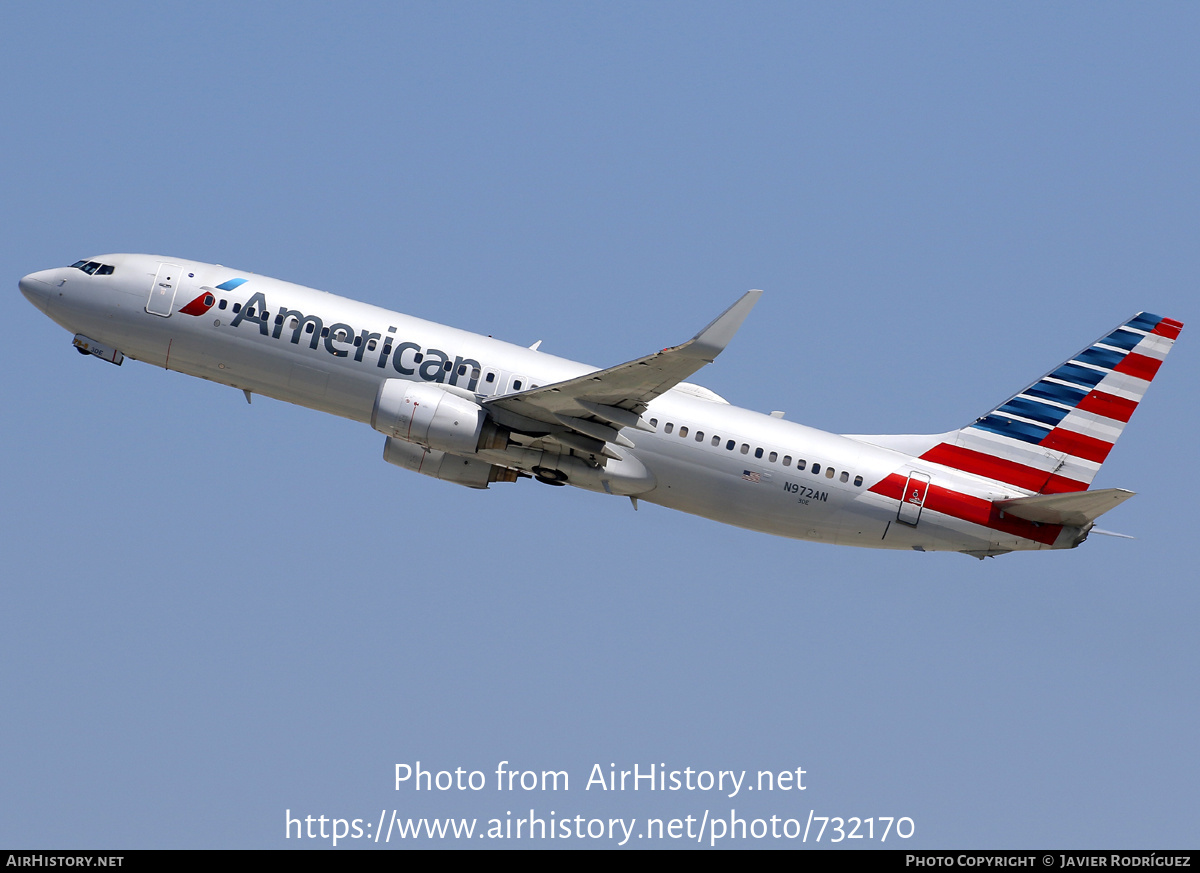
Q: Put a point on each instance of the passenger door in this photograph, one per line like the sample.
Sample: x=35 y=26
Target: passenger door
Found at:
x=162 y=292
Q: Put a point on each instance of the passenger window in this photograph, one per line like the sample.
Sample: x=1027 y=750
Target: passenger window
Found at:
x=310 y=327
x=357 y=341
x=699 y=436
x=816 y=468
x=683 y=431
x=716 y=441
x=758 y=453
x=800 y=464
x=371 y=345
x=654 y=423
x=745 y=448
x=208 y=300
x=773 y=457
x=845 y=477
x=324 y=332
x=237 y=307
x=858 y=481
x=491 y=377
x=670 y=426
x=250 y=312
x=829 y=472
x=221 y=305
x=517 y=385
x=729 y=445
x=787 y=460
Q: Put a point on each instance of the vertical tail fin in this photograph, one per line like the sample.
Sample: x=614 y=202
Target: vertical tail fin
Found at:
x=1052 y=437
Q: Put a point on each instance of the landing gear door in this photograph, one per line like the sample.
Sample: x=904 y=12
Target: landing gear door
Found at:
x=912 y=501
x=162 y=292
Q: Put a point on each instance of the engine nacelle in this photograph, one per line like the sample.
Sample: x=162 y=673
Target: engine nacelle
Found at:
x=423 y=413
x=442 y=465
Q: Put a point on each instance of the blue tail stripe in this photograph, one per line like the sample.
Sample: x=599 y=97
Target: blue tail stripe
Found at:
x=1030 y=433
x=1122 y=339
x=1101 y=357
x=1038 y=411
x=1058 y=393
x=1078 y=375
x=1145 y=321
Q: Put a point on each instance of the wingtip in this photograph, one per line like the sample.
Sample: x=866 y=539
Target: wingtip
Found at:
x=712 y=340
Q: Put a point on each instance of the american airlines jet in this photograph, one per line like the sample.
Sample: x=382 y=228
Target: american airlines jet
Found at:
x=475 y=410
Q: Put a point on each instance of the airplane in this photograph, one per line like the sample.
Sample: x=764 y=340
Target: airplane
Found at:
x=475 y=410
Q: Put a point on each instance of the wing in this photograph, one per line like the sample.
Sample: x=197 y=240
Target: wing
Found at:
x=587 y=412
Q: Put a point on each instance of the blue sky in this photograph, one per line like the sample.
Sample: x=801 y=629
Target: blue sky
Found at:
x=216 y=612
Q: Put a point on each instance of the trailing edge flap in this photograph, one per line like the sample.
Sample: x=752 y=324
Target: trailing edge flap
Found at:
x=611 y=395
x=1078 y=508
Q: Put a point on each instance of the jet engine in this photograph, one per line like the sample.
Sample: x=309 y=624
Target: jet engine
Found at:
x=443 y=465
x=428 y=415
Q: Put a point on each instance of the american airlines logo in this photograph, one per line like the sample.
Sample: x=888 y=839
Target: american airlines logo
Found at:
x=341 y=339
x=205 y=301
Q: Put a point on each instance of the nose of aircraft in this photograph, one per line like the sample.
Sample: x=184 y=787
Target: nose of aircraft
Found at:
x=36 y=288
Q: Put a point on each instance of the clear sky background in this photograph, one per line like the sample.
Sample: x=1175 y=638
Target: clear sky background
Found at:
x=212 y=613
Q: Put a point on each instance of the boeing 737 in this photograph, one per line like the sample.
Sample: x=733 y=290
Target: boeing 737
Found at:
x=474 y=410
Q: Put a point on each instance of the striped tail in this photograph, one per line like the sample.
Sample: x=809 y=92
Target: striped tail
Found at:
x=1052 y=437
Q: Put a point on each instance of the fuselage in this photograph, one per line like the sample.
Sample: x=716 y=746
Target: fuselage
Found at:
x=703 y=455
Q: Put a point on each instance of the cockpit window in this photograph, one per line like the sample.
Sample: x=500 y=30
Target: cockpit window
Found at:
x=94 y=268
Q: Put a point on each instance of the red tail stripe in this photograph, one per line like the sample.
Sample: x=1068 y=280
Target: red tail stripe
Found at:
x=1138 y=366
x=1062 y=485
x=1108 y=405
x=1000 y=469
x=976 y=510
x=1086 y=447
x=1169 y=328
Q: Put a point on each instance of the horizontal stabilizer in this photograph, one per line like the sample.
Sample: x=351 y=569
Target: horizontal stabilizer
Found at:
x=1112 y=533
x=1078 y=509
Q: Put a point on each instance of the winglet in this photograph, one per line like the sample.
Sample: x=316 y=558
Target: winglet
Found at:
x=711 y=341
